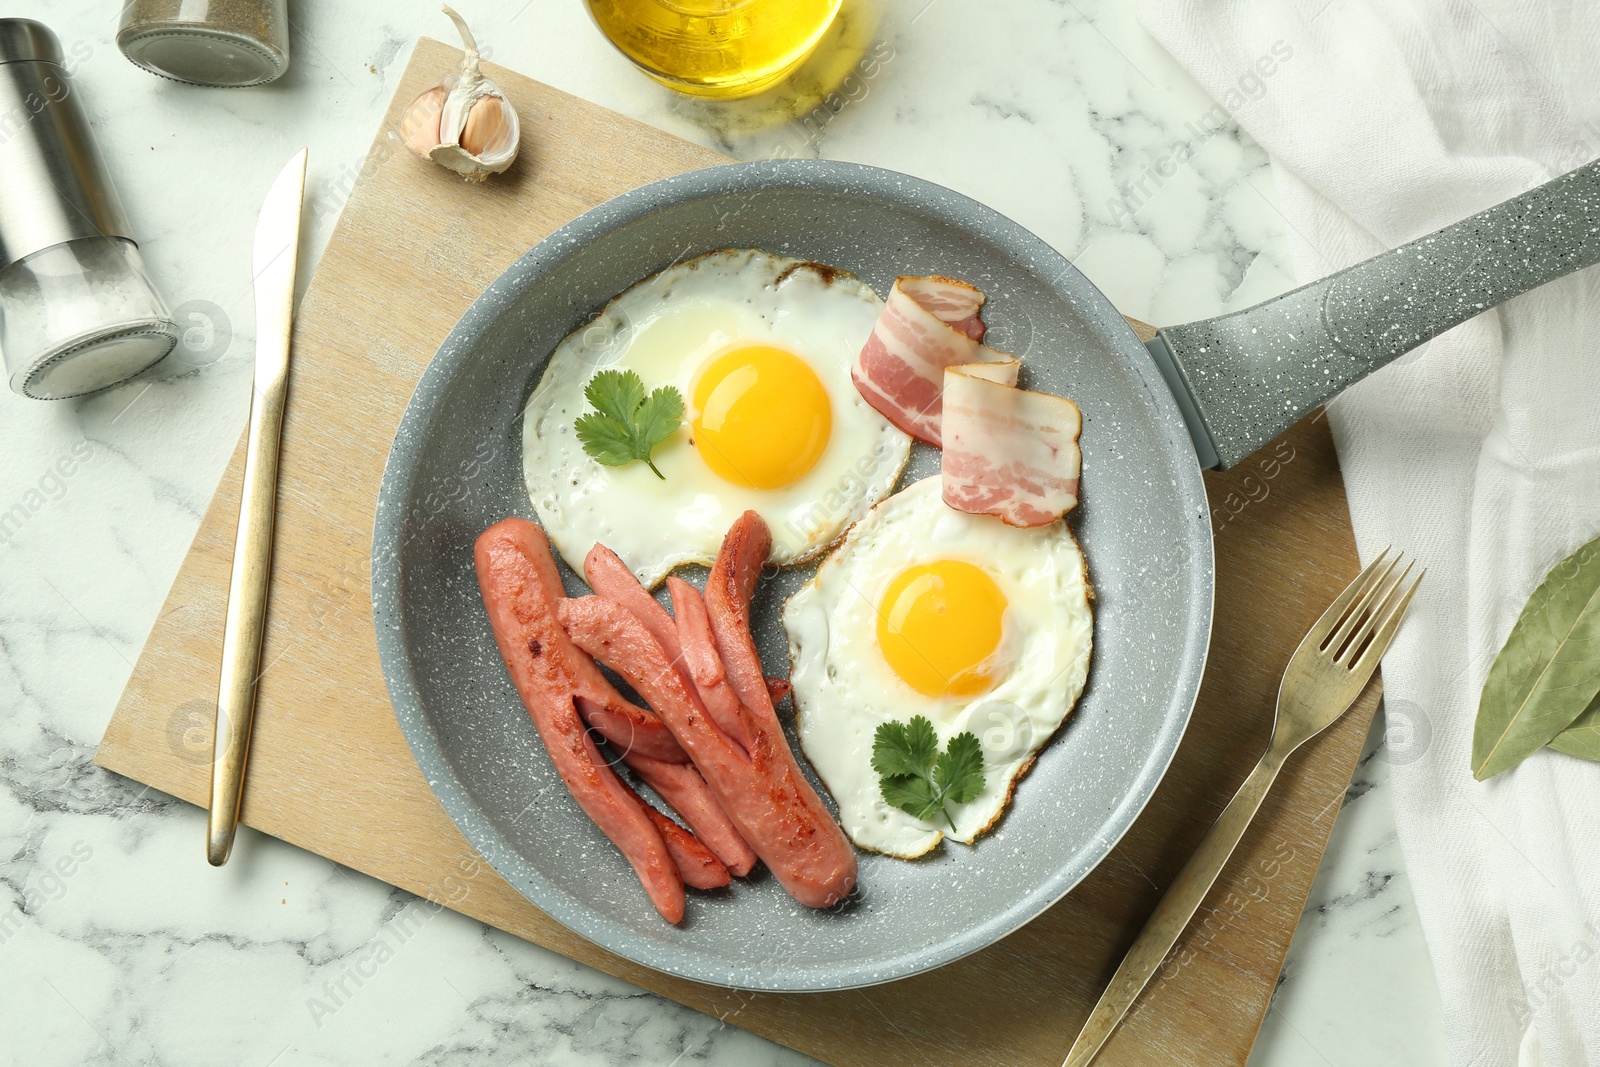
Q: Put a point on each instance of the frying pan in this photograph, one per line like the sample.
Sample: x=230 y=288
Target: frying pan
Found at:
x=1205 y=394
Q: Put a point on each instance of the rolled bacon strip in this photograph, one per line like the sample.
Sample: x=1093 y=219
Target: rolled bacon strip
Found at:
x=762 y=790
x=1009 y=452
x=522 y=606
x=926 y=325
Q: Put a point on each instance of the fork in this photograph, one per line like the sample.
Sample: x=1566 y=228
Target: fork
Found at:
x=1328 y=670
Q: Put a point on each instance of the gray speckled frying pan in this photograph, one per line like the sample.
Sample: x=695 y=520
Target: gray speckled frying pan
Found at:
x=1219 y=388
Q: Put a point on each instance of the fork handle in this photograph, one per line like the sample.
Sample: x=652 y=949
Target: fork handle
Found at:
x=1183 y=899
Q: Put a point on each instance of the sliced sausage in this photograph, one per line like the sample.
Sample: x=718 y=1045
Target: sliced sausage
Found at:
x=696 y=864
x=706 y=672
x=686 y=792
x=626 y=725
x=730 y=587
x=514 y=568
x=611 y=578
x=762 y=790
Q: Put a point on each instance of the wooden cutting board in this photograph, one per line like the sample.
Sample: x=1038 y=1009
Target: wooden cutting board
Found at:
x=331 y=772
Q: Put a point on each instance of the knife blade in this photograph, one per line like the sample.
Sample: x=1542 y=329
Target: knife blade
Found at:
x=274 y=257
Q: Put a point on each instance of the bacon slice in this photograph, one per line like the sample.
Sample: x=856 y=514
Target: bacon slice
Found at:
x=949 y=300
x=762 y=790
x=510 y=557
x=1009 y=452
x=926 y=325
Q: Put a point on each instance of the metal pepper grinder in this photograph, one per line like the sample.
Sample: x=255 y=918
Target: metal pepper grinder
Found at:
x=77 y=309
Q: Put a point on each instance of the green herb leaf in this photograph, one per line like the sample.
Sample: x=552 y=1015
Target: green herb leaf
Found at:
x=916 y=777
x=1582 y=738
x=605 y=439
x=659 y=416
x=615 y=394
x=626 y=425
x=915 y=795
x=901 y=748
x=1545 y=676
x=959 y=772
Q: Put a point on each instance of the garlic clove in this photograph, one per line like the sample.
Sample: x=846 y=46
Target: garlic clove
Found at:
x=465 y=123
x=419 y=126
x=488 y=138
x=491 y=129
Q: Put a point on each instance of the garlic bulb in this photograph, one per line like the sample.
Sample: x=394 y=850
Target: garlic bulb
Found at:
x=465 y=122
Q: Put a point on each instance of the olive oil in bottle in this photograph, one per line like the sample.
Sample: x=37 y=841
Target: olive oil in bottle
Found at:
x=719 y=48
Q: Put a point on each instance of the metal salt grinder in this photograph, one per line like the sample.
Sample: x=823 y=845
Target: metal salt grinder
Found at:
x=77 y=309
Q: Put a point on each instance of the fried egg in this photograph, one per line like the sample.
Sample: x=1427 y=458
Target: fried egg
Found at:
x=760 y=347
x=925 y=610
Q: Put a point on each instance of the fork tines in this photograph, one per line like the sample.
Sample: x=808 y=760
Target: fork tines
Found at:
x=1358 y=626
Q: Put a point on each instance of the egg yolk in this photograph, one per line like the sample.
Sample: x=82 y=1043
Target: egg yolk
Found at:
x=761 y=417
x=939 y=626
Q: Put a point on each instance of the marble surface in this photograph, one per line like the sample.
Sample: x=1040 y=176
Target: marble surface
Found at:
x=119 y=945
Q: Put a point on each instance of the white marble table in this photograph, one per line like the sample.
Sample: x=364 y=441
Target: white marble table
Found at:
x=119 y=945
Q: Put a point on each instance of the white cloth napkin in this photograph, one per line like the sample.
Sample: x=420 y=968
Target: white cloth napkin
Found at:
x=1479 y=454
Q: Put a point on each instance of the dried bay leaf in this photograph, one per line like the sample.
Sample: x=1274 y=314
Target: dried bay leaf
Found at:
x=1549 y=669
x=1582 y=738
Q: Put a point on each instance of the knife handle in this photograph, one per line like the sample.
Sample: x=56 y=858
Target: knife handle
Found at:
x=246 y=619
x=1184 y=897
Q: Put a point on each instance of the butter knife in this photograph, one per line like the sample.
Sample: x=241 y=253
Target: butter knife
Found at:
x=273 y=261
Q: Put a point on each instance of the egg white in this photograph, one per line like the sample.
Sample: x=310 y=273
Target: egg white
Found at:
x=844 y=687
x=665 y=328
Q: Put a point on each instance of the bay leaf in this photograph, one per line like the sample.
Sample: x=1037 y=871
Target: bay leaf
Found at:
x=1582 y=738
x=1549 y=669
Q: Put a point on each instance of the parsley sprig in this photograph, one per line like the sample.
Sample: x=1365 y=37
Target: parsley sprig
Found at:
x=917 y=778
x=626 y=425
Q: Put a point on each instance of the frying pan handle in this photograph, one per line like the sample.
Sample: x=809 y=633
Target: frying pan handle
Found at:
x=1244 y=378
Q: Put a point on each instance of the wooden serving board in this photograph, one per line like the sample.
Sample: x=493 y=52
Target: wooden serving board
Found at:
x=331 y=772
